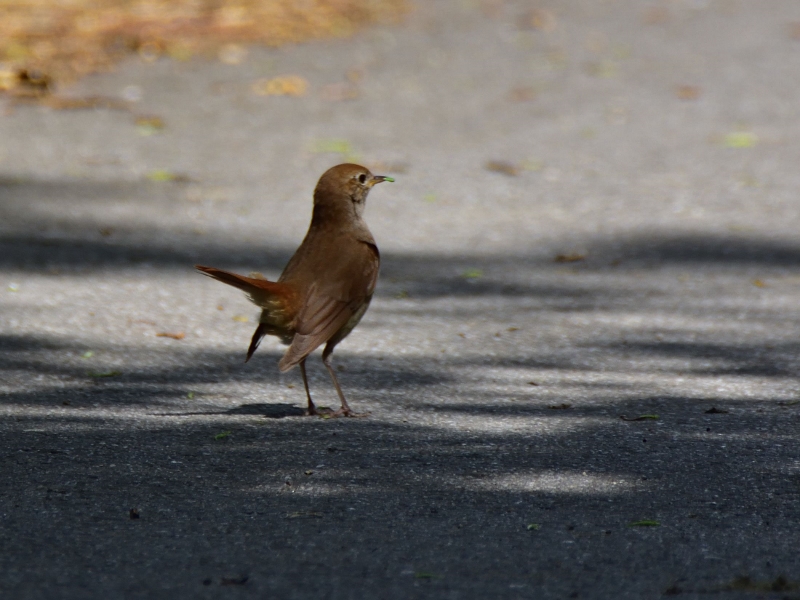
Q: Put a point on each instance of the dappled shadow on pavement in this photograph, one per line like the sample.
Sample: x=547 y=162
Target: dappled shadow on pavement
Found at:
x=494 y=470
x=379 y=506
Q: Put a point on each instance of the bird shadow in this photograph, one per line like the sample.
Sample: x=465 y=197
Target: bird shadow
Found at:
x=279 y=410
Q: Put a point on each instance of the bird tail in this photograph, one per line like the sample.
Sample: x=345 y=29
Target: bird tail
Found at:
x=260 y=332
x=269 y=295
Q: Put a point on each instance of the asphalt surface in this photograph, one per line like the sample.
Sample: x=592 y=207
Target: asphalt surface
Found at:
x=638 y=258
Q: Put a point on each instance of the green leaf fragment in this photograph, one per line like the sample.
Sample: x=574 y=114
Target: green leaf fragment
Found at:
x=640 y=418
x=534 y=527
x=222 y=435
x=161 y=175
x=88 y=354
x=104 y=374
x=472 y=274
x=644 y=523
x=741 y=139
x=424 y=575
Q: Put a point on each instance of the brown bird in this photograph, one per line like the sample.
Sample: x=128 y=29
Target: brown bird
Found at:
x=327 y=285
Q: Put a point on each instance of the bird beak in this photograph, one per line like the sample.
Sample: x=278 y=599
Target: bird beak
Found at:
x=378 y=178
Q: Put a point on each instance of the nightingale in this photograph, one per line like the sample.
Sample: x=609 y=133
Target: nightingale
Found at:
x=327 y=285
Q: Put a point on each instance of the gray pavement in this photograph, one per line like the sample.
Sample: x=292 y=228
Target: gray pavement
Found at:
x=495 y=462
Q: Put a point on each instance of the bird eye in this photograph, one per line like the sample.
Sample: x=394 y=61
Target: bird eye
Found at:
x=362 y=178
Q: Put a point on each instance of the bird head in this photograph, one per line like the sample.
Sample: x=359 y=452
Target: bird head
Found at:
x=346 y=187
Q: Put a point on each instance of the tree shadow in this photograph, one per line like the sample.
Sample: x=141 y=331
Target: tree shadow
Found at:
x=462 y=488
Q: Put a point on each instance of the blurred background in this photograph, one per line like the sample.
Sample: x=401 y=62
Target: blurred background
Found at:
x=43 y=44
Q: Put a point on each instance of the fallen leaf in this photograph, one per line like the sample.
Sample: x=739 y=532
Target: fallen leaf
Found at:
x=687 y=92
x=644 y=523
x=240 y=318
x=175 y=336
x=222 y=435
x=640 y=418
x=568 y=258
x=759 y=283
x=87 y=102
x=539 y=19
x=149 y=125
x=472 y=274
x=424 y=575
x=9 y=79
x=103 y=374
x=190 y=395
x=88 y=354
x=13 y=287
x=521 y=94
x=562 y=406
x=284 y=85
x=532 y=383
x=499 y=166
x=740 y=139
x=534 y=527
x=163 y=175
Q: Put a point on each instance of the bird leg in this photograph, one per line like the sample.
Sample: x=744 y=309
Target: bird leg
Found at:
x=311 y=410
x=344 y=411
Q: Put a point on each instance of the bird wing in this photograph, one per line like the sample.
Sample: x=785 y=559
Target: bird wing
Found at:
x=330 y=305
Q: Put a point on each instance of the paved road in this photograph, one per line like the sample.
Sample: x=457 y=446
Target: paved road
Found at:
x=495 y=462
